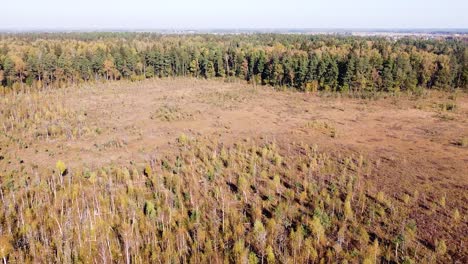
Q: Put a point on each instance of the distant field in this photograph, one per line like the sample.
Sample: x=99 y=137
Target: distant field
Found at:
x=191 y=170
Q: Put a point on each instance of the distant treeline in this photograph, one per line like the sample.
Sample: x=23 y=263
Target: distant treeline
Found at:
x=306 y=63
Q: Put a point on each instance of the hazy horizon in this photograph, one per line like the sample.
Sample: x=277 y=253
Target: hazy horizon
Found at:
x=242 y=14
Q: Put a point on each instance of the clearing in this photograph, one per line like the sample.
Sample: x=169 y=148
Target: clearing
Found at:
x=411 y=144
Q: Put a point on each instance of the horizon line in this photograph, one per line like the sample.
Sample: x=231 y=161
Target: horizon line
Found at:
x=232 y=29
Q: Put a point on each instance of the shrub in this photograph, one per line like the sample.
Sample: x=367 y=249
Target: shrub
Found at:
x=149 y=209
x=61 y=167
x=348 y=211
x=441 y=247
x=270 y=255
x=450 y=106
x=442 y=201
x=456 y=216
x=462 y=142
x=406 y=198
x=183 y=139
x=253 y=259
x=380 y=197
x=147 y=171
x=5 y=247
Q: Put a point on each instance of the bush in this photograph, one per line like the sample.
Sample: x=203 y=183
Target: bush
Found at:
x=441 y=247
x=149 y=209
x=462 y=142
x=61 y=167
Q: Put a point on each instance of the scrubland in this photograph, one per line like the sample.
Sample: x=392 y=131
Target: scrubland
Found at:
x=188 y=170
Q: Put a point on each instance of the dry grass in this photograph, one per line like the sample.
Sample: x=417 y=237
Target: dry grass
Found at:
x=171 y=113
x=323 y=126
x=41 y=115
x=393 y=174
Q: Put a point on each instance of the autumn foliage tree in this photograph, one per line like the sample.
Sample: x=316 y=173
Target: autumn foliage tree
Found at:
x=302 y=62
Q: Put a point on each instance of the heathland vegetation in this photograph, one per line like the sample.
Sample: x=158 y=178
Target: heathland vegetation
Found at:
x=250 y=203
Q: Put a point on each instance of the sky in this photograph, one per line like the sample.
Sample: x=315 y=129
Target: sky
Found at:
x=231 y=14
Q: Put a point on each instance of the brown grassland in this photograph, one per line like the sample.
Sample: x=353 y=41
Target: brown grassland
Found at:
x=190 y=170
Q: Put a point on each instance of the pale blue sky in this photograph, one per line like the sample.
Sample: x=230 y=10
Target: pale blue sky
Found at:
x=28 y=14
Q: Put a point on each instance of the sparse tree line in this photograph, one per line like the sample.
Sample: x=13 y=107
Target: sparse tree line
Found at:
x=307 y=63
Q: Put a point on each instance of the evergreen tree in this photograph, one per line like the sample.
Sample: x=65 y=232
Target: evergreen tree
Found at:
x=387 y=76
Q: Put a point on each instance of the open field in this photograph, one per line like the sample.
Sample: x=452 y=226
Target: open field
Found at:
x=404 y=158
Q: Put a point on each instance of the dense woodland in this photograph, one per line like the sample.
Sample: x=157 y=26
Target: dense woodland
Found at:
x=307 y=63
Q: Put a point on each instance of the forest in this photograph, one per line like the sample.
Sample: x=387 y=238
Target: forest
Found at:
x=302 y=62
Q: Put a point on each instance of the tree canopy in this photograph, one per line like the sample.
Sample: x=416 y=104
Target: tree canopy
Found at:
x=303 y=62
